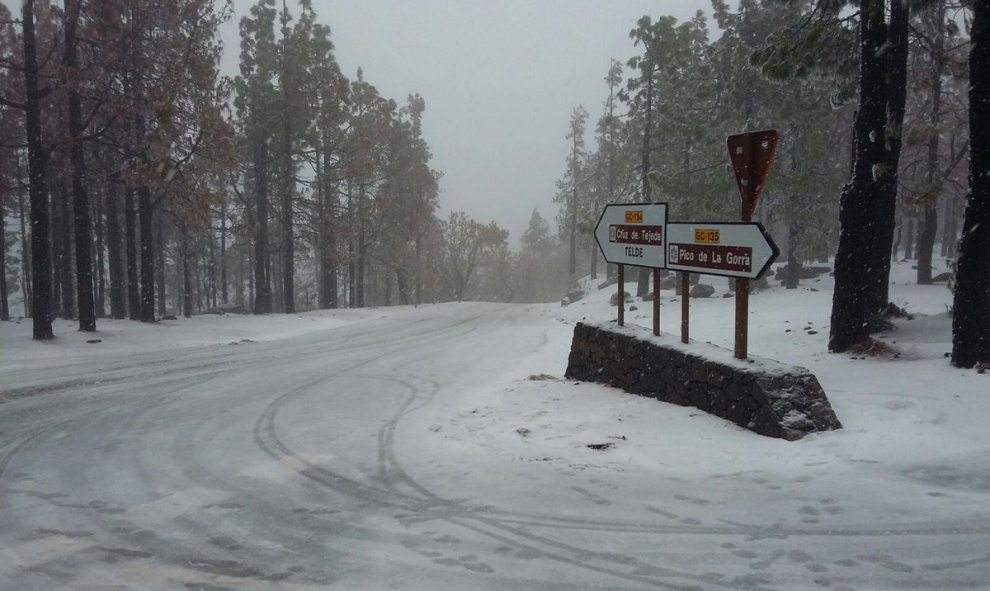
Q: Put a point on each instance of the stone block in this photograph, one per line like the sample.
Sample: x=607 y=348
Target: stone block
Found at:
x=762 y=395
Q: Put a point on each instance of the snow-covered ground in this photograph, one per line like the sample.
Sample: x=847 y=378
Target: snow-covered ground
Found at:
x=440 y=447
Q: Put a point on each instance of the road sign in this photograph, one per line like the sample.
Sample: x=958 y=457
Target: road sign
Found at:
x=751 y=154
x=734 y=249
x=633 y=234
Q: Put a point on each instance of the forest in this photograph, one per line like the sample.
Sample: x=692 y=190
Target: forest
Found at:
x=138 y=182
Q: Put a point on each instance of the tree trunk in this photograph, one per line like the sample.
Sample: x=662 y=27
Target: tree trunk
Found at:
x=929 y=224
x=288 y=246
x=362 y=254
x=288 y=174
x=793 y=277
x=896 y=247
x=101 y=279
x=418 y=295
x=262 y=290
x=178 y=286
x=971 y=311
x=203 y=269
x=251 y=282
x=326 y=292
x=859 y=210
x=239 y=276
x=4 y=301
x=402 y=285
x=387 y=297
x=952 y=227
x=130 y=250
x=211 y=268
x=926 y=245
x=351 y=267
x=146 y=219
x=160 y=265
x=593 y=255
x=223 y=250
x=41 y=264
x=62 y=237
x=77 y=160
x=909 y=239
x=187 y=297
x=26 y=290
x=118 y=276
x=893 y=55
x=643 y=279
x=55 y=243
x=572 y=214
x=275 y=270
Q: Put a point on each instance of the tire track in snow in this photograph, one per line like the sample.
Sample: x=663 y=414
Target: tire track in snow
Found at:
x=429 y=506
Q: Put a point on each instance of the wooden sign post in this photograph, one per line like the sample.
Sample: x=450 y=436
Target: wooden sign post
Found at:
x=751 y=154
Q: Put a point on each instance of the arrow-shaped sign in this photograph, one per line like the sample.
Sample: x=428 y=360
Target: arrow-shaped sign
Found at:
x=740 y=249
x=633 y=234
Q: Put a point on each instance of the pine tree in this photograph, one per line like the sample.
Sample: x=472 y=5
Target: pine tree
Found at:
x=862 y=263
x=255 y=97
x=971 y=309
x=38 y=184
x=571 y=187
x=80 y=198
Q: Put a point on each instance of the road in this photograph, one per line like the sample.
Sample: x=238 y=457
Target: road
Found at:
x=317 y=462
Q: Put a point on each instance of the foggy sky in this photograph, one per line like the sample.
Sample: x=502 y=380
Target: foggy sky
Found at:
x=500 y=79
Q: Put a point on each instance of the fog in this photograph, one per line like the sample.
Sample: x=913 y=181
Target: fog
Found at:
x=500 y=80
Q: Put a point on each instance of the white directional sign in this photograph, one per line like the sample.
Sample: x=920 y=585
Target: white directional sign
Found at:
x=741 y=249
x=633 y=234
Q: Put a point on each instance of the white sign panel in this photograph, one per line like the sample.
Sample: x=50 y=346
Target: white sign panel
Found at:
x=740 y=249
x=633 y=234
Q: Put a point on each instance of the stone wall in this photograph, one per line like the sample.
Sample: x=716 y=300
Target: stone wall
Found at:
x=761 y=395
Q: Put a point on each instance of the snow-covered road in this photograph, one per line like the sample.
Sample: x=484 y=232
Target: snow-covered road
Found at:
x=412 y=451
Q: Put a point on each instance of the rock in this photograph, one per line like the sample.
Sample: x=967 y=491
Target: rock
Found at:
x=540 y=377
x=942 y=277
x=614 y=300
x=702 y=290
x=804 y=272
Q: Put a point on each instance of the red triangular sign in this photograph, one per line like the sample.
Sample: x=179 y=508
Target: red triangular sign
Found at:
x=751 y=155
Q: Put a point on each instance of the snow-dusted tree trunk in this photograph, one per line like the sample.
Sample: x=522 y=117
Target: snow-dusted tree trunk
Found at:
x=971 y=317
x=859 y=205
